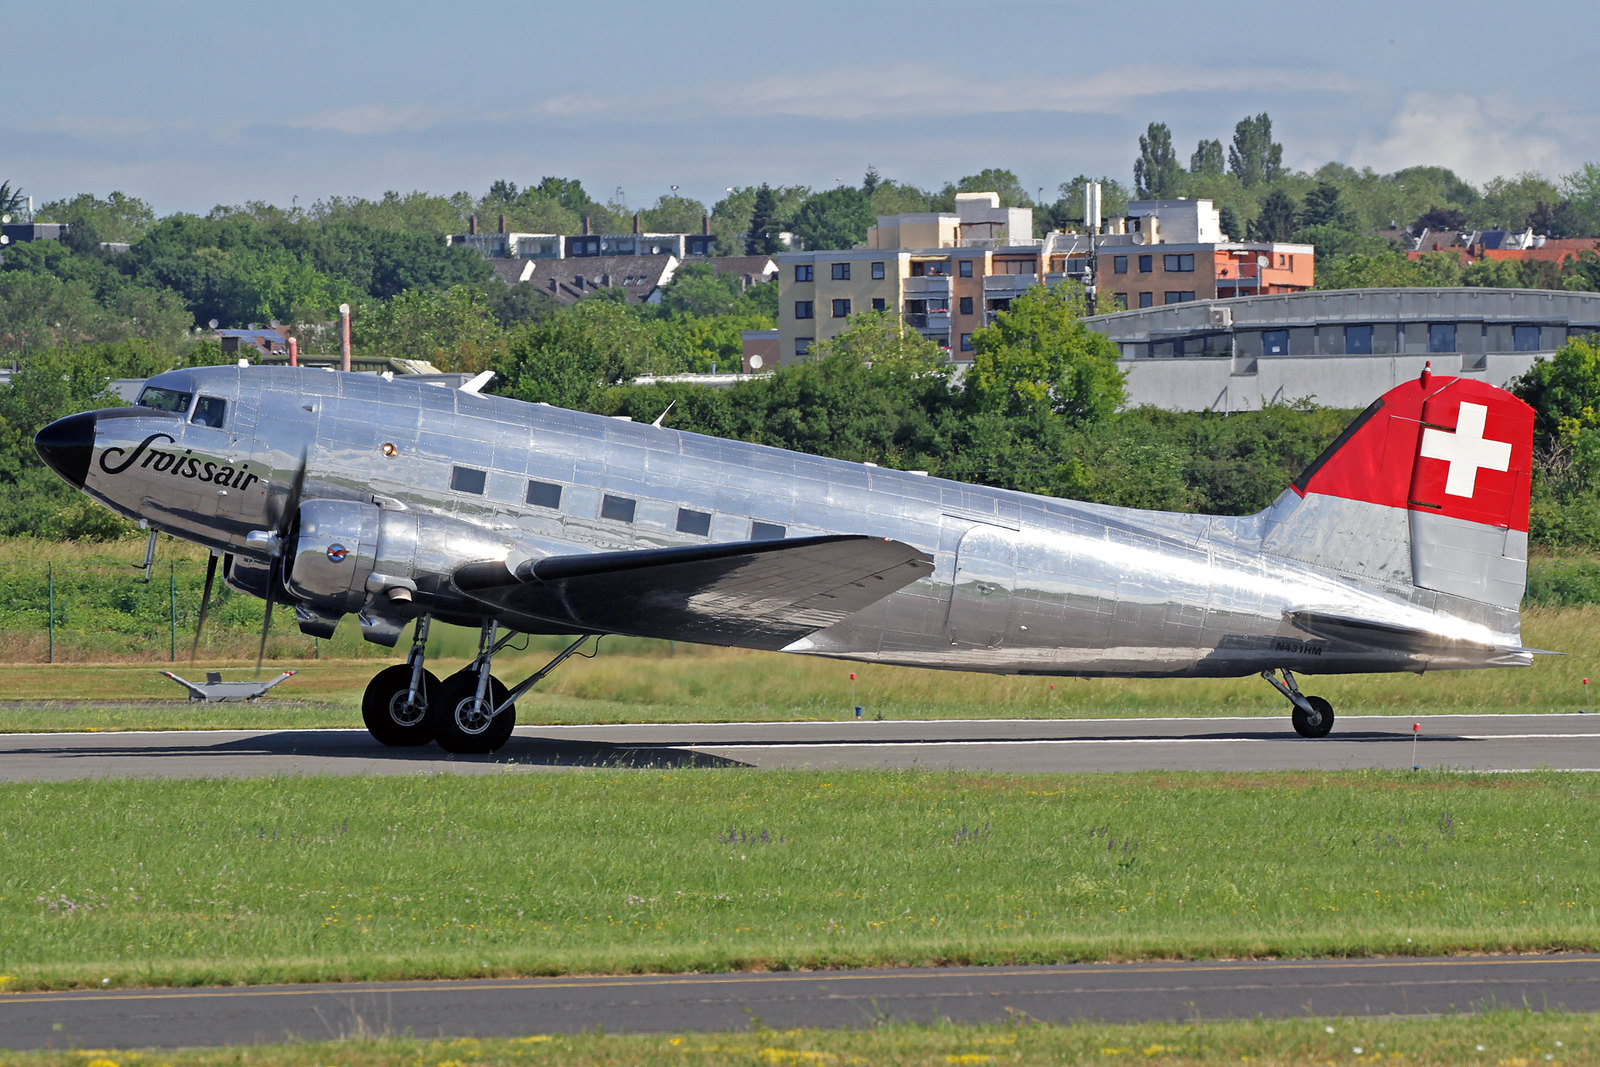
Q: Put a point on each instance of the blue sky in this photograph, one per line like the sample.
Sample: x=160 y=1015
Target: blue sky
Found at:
x=187 y=105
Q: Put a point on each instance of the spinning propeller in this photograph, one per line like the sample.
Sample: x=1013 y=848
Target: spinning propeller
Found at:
x=277 y=543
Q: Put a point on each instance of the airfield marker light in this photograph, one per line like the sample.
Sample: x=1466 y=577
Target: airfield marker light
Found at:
x=853 y=693
x=1416 y=728
x=1585 y=707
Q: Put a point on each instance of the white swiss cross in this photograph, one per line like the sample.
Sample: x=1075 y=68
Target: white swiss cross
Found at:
x=1466 y=450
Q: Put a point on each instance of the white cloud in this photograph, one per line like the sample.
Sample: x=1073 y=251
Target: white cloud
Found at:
x=371 y=119
x=1478 y=137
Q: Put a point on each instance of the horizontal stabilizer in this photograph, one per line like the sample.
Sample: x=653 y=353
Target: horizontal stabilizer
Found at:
x=1395 y=637
x=750 y=594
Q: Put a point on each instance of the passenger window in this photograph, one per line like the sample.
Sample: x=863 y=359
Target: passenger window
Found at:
x=467 y=479
x=209 y=411
x=544 y=494
x=766 y=531
x=697 y=523
x=617 y=508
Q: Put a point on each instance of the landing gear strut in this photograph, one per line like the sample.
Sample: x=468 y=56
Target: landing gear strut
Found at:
x=395 y=706
x=1312 y=716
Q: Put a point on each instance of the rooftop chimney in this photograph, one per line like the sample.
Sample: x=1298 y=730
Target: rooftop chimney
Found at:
x=586 y=225
x=502 y=222
x=705 y=225
x=472 y=224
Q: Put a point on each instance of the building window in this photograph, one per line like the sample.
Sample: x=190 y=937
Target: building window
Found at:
x=544 y=495
x=802 y=346
x=467 y=479
x=1179 y=296
x=1178 y=264
x=617 y=508
x=1121 y=301
x=1146 y=264
x=1147 y=299
x=1119 y=264
x=964 y=269
x=1358 y=340
x=877 y=303
x=966 y=305
x=695 y=523
x=802 y=309
x=841 y=308
x=841 y=272
x=802 y=272
x=966 y=342
x=877 y=272
x=1442 y=337
x=1275 y=342
x=766 y=531
x=1525 y=338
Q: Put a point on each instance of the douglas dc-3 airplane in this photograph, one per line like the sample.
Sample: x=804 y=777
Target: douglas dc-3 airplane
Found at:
x=1403 y=548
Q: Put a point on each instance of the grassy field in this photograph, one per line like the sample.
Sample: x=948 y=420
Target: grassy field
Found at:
x=315 y=879
x=656 y=681
x=1502 y=1039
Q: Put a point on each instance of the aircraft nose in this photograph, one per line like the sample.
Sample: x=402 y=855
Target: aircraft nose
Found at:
x=67 y=446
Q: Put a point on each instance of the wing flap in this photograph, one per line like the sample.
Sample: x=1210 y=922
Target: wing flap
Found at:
x=1394 y=637
x=751 y=594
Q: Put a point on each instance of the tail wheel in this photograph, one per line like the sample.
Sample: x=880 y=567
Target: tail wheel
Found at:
x=1303 y=724
x=392 y=718
x=462 y=723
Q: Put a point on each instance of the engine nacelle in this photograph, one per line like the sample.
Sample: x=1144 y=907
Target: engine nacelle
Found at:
x=387 y=565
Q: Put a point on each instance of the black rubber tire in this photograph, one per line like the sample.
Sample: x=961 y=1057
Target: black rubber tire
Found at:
x=1302 y=721
x=383 y=708
x=460 y=725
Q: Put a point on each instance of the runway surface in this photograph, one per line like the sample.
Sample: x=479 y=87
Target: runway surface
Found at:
x=671 y=1003
x=1444 y=742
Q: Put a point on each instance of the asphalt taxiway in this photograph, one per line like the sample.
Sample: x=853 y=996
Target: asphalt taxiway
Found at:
x=153 y=1018
x=1440 y=742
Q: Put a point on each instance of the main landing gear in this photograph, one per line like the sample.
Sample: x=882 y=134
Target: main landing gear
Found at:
x=1312 y=716
x=469 y=712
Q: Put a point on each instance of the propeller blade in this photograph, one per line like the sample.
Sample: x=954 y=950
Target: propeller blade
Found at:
x=291 y=506
x=205 y=604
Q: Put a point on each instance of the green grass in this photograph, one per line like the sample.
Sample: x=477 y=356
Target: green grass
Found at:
x=316 y=879
x=1506 y=1039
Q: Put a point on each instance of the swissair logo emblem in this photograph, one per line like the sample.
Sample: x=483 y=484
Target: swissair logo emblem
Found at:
x=1467 y=450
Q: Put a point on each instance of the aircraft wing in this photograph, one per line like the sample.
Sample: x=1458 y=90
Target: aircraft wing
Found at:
x=752 y=594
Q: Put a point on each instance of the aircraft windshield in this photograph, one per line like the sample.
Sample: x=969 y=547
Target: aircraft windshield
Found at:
x=164 y=399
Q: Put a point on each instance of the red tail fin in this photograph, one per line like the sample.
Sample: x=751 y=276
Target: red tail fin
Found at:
x=1454 y=447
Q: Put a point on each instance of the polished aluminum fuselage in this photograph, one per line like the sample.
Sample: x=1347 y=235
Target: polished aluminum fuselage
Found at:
x=1021 y=583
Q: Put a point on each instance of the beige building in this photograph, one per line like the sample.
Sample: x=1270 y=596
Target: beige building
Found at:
x=943 y=273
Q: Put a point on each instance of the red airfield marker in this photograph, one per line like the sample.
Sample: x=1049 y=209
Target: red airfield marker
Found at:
x=1416 y=728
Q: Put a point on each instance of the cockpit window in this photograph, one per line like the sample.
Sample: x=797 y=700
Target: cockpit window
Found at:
x=209 y=411
x=164 y=399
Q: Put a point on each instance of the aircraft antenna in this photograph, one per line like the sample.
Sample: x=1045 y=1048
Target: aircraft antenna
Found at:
x=663 y=415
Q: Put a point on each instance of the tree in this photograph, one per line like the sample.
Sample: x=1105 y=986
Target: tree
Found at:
x=762 y=239
x=118 y=217
x=674 y=214
x=1277 y=218
x=570 y=358
x=1582 y=190
x=989 y=180
x=1156 y=173
x=1038 y=354
x=838 y=218
x=1511 y=203
x=700 y=289
x=1207 y=159
x=454 y=329
x=1440 y=218
x=10 y=198
x=1564 y=392
x=1254 y=158
x=1325 y=206
x=1228 y=219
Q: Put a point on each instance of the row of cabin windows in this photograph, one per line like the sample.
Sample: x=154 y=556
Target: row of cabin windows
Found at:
x=612 y=507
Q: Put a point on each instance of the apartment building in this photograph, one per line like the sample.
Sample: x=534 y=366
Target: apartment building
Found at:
x=943 y=273
x=947 y=274
x=507 y=244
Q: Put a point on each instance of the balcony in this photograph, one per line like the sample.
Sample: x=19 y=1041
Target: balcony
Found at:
x=938 y=320
x=1006 y=286
x=928 y=287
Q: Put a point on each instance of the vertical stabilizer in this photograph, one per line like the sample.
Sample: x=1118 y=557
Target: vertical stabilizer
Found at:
x=1428 y=487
